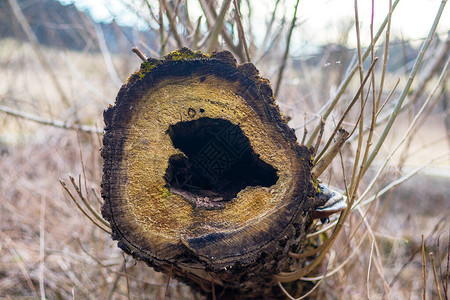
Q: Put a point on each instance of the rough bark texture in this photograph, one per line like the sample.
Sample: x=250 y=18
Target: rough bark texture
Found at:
x=202 y=178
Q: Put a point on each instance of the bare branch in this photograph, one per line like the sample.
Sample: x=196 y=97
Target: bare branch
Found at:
x=436 y=280
x=286 y=50
x=211 y=19
x=54 y=123
x=406 y=89
x=355 y=98
x=171 y=15
x=218 y=25
x=333 y=150
x=139 y=53
x=269 y=27
x=241 y=30
x=319 y=138
x=81 y=209
x=440 y=55
x=335 y=99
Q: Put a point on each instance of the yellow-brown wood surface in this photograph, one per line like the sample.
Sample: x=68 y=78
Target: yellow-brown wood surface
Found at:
x=202 y=176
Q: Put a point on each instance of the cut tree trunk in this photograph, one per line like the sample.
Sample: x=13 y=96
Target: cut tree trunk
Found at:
x=202 y=177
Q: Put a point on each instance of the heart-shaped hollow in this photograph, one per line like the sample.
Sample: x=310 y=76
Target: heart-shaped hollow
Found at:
x=216 y=164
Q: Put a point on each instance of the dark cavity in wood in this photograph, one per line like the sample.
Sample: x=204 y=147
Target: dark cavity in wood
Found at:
x=217 y=163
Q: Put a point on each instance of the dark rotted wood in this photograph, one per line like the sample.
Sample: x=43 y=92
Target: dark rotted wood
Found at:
x=202 y=177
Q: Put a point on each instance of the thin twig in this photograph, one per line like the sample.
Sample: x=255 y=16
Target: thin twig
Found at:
x=381 y=192
x=296 y=274
x=126 y=275
x=97 y=197
x=150 y=10
x=211 y=20
x=340 y=91
x=440 y=55
x=269 y=29
x=304 y=295
x=218 y=25
x=273 y=42
x=398 y=181
x=406 y=89
x=86 y=203
x=162 y=39
x=305 y=133
x=286 y=50
x=116 y=281
x=357 y=124
x=368 y=270
x=328 y=157
x=19 y=260
x=42 y=249
x=196 y=37
x=388 y=97
x=436 y=280
x=424 y=270
x=152 y=52
x=139 y=53
x=349 y=107
x=187 y=18
x=207 y=12
x=241 y=30
x=378 y=263
x=80 y=208
x=141 y=13
x=82 y=166
x=353 y=180
x=168 y=281
x=410 y=128
x=445 y=273
x=54 y=123
x=172 y=22
x=355 y=249
x=319 y=138
x=411 y=258
x=385 y=58
x=379 y=120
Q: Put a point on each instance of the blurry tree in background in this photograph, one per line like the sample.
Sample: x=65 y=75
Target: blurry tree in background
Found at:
x=60 y=69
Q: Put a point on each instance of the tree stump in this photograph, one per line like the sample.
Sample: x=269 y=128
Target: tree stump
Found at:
x=202 y=177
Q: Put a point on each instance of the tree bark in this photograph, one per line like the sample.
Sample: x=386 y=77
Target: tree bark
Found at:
x=202 y=177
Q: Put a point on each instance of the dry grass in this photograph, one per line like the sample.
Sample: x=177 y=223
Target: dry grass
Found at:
x=46 y=242
x=49 y=248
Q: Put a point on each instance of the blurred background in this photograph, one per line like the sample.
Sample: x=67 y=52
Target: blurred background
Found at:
x=63 y=62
